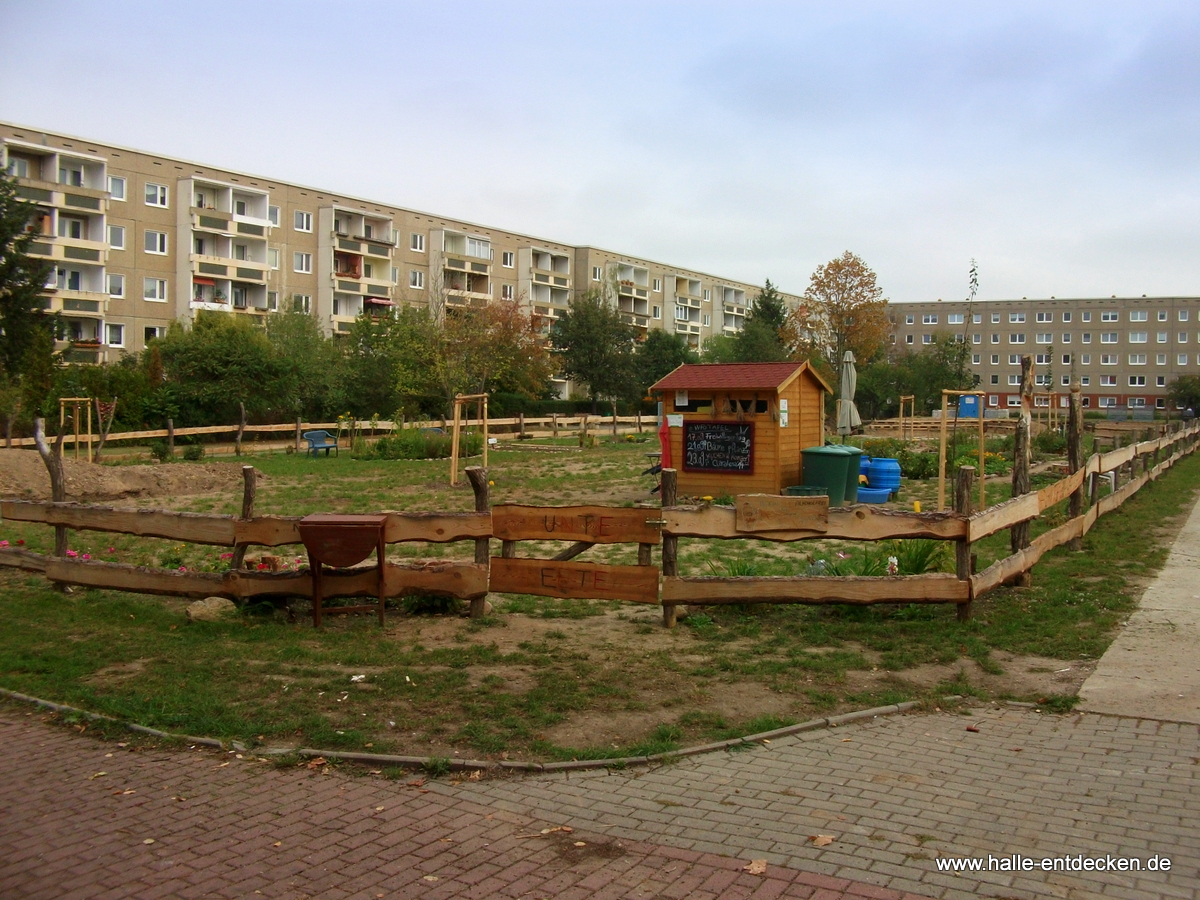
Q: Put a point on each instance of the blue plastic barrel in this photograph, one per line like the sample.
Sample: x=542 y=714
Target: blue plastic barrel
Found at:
x=884 y=473
x=873 y=495
x=863 y=463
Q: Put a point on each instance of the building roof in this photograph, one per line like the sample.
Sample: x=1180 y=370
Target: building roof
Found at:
x=734 y=376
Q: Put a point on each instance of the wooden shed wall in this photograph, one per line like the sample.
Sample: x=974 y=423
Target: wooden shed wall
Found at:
x=764 y=480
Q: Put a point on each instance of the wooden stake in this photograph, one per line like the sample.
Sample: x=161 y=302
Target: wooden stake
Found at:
x=237 y=444
x=52 y=457
x=485 y=431
x=554 y=423
x=614 y=424
x=170 y=438
x=962 y=548
x=942 y=456
x=1075 y=456
x=298 y=429
x=249 y=487
x=670 y=543
x=478 y=476
x=454 y=442
x=1019 y=533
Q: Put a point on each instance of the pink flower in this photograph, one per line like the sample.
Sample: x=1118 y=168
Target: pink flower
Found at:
x=262 y=566
x=226 y=556
x=842 y=555
x=86 y=557
x=20 y=543
x=111 y=550
x=3 y=543
x=183 y=568
x=72 y=554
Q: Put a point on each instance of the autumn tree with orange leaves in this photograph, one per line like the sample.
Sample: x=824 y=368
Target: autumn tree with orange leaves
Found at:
x=843 y=309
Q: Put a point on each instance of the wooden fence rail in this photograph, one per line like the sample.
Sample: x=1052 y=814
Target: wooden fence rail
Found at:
x=759 y=517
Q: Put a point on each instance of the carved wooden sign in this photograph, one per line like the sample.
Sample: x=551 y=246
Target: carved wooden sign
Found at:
x=582 y=581
x=594 y=524
x=768 y=512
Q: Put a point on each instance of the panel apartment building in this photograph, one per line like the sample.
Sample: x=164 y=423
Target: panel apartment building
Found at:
x=139 y=240
x=1125 y=351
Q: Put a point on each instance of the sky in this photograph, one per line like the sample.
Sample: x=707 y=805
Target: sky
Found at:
x=1057 y=144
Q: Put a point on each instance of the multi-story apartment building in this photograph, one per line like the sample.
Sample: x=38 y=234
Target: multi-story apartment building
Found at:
x=1125 y=351
x=140 y=240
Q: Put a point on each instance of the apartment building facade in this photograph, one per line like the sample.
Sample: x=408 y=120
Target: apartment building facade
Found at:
x=1125 y=351
x=140 y=240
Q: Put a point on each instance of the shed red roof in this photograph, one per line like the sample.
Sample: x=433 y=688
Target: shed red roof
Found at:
x=736 y=376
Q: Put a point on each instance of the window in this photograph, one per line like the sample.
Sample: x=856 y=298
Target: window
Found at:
x=1045 y=338
x=71 y=227
x=993 y=399
x=1108 y=380
x=70 y=280
x=955 y=319
x=656 y=312
x=1087 y=337
x=1137 y=402
x=368 y=270
x=995 y=379
x=116 y=285
x=995 y=338
x=597 y=274
x=1086 y=359
x=273 y=300
x=1066 y=380
x=1042 y=359
x=1043 y=380
x=706 y=320
x=930 y=319
x=1066 y=317
x=995 y=359
x=156 y=194
x=908 y=339
x=927 y=339
x=1085 y=380
x=154 y=331
x=1014 y=359
x=1108 y=337
x=1066 y=338
x=1183 y=315
x=302 y=221
x=1162 y=337
x=995 y=318
x=1161 y=359
x=1045 y=317
x=1087 y=317
x=241 y=251
x=1137 y=337
x=975 y=359
x=1016 y=338
x=395 y=275
x=273 y=257
x=479 y=248
x=508 y=259
x=506 y=292
x=1181 y=338
x=71 y=174
x=908 y=320
x=657 y=285
x=1066 y=359
x=416 y=242
x=977 y=338
x=116 y=187
x=416 y=279
x=1162 y=315
x=1108 y=359
x=154 y=289
x=1137 y=380
x=707 y=295
x=18 y=167
x=1014 y=379
x=302 y=262
x=273 y=215
x=302 y=303
x=1109 y=317
x=156 y=242
x=1014 y=399
x=1137 y=359
x=1137 y=315
x=1108 y=402
x=116 y=237
x=1181 y=359
x=239 y=207
x=1160 y=381
x=977 y=318
x=115 y=335
x=681 y=314
x=1016 y=317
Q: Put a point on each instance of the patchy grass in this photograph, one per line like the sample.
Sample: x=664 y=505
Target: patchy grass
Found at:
x=541 y=678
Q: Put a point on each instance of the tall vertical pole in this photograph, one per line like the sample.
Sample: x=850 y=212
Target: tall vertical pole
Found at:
x=670 y=543
x=1019 y=533
x=942 y=456
x=454 y=442
x=1075 y=456
x=962 y=547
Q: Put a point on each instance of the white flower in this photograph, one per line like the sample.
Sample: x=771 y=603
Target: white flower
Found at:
x=893 y=567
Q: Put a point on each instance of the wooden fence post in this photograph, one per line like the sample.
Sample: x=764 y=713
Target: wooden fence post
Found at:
x=249 y=487
x=670 y=543
x=52 y=457
x=962 y=547
x=170 y=438
x=298 y=429
x=1019 y=533
x=1075 y=456
x=521 y=425
x=614 y=409
x=639 y=421
x=554 y=424
x=478 y=476
x=237 y=444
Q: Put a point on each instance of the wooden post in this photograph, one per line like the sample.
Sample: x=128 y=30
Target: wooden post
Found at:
x=554 y=423
x=639 y=421
x=583 y=431
x=942 y=456
x=962 y=548
x=508 y=549
x=982 y=456
x=171 y=438
x=454 y=442
x=249 y=487
x=52 y=457
x=521 y=425
x=237 y=444
x=89 y=429
x=670 y=543
x=478 y=476
x=1019 y=533
x=298 y=429
x=105 y=425
x=1075 y=456
x=614 y=409
x=485 y=431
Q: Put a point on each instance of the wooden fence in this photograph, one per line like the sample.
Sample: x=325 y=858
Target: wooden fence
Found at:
x=761 y=517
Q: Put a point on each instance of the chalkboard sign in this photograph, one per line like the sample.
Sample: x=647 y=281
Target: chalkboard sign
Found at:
x=718 y=447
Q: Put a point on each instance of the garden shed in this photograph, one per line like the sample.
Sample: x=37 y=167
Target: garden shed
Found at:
x=738 y=428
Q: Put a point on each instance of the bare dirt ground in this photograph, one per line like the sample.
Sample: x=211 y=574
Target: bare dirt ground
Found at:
x=23 y=476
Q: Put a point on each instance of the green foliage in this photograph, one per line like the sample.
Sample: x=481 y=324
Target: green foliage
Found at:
x=160 y=450
x=1050 y=442
x=937 y=366
x=193 y=452
x=430 y=605
x=659 y=354
x=762 y=336
x=595 y=348
x=417 y=443
x=1184 y=392
x=917 y=465
x=22 y=280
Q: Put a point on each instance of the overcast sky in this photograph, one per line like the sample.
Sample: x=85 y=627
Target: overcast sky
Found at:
x=1057 y=144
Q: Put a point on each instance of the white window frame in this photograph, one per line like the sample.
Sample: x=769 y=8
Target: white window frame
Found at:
x=1138 y=315
x=1108 y=381
x=273 y=215
x=1042 y=359
x=1014 y=399
x=1162 y=315
x=302 y=221
x=157 y=195
x=1045 y=317
x=1160 y=359
x=1085 y=359
x=1162 y=337
x=1137 y=359
x=117 y=232
x=1181 y=359
x=656 y=313
x=120 y=341
x=416 y=242
x=1016 y=318
x=1085 y=380
x=995 y=318
x=908 y=320
x=657 y=287
x=159 y=241
x=1045 y=337
x=507 y=292
x=995 y=337
x=113 y=182
x=1160 y=381
x=678 y=311
x=956 y=318
x=927 y=339
x=929 y=319
x=976 y=338
x=597 y=273
x=508 y=259
x=273 y=257
x=908 y=339
x=1066 y=317
x=1138 y=337
x=155 y=290
x=302 y=262
x=302 y=303
x=1109 y=359
x=1108 y=337
x=1014 y=379
x=1016 y=338
x=1014 y=359
x=1137 y=380
x=1110 y=316
x=1183 y=315
x=1087 y=317
x=1181 y=338
x=117 y=279
x=416 y=279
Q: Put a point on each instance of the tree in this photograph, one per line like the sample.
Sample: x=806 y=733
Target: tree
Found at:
x=761 y=336
x=768 y=308
x=496 y=348
x=309 y=383
x=22 y=280
x=595 y=348
x=662 y=352
x=1184 y=392
x=390 y=364
x=843 y=309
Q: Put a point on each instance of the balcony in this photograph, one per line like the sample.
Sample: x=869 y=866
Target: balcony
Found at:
x=63 y=196
x=636 y=321
x=77 y=303
x=212 y=220
x=224 y=267
x=63 y=249
x=630 y=289
x=687 y=300
x=465 y=299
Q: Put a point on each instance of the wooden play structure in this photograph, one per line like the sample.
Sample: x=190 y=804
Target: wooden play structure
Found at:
x=906 y=423
x=739 y=428
x=946 y=395
x=481 y=400
x=74 y=402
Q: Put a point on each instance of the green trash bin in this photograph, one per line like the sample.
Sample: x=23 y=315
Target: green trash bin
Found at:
x=826 y=467
x=854 y=454
x=806 y=490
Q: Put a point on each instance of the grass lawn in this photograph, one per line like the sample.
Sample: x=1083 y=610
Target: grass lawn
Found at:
x=546 y=679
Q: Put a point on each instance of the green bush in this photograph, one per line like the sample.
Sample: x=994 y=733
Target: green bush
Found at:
x=889 y=448
x=415 y=443
x=917 y=465
x=1050 y=442
x=193 y=452
x=160 y=450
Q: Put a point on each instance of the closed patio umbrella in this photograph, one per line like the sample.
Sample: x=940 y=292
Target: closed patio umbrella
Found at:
x=847 y=418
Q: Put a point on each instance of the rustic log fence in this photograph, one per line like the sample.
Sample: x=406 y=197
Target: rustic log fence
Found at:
x=760 y=517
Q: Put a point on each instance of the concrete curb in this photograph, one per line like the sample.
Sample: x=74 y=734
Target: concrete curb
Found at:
x=468 y=765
